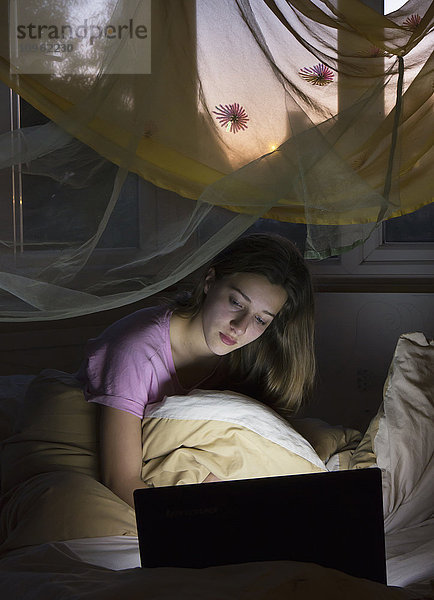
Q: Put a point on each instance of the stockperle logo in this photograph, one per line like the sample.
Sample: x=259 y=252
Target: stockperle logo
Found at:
x=80 y=37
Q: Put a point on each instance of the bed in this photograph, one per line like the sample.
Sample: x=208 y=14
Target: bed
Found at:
x=65 y=535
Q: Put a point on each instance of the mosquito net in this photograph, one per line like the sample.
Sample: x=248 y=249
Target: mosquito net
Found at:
x=159 y=150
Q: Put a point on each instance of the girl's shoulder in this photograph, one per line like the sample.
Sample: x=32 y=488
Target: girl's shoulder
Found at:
x=146 y=318
x=144 y=331
x=142 y=322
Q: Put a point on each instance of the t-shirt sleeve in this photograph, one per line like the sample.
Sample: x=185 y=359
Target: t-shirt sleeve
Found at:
x=116 y=373
x=125 y=404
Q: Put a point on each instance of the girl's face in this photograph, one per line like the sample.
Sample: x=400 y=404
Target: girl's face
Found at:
x=238 y=309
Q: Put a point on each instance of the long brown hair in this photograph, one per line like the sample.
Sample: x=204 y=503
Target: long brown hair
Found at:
x=279 y=366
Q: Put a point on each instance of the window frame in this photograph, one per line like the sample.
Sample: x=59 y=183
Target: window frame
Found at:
x=378 y=265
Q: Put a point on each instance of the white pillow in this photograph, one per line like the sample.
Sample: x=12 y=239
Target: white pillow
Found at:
x=230 y=435
x=400 y=438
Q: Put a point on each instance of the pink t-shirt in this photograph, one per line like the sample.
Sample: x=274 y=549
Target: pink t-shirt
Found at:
x=130 y=364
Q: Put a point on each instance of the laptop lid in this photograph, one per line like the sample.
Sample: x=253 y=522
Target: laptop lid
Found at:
x=334 y=519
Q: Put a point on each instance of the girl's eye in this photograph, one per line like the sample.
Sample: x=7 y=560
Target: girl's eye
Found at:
x=235 y=302
x=261 y=321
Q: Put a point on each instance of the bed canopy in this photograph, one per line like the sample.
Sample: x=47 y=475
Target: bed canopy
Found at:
x=311 y=111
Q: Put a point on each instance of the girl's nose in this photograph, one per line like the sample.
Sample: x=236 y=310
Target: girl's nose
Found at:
x=239 y=324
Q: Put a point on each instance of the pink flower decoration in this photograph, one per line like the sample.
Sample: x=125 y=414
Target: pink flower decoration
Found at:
x=231 y=116
x=317 y=75
x=411 y=23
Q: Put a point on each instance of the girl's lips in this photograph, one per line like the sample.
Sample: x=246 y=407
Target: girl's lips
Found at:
x=226 y=339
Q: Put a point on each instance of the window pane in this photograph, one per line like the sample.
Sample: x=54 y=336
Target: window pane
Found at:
x=123 y=227
x=296 y=232
x=68 y=209
x=417 y=226
x=56 y=214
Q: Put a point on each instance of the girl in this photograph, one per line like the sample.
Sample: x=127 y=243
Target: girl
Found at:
x=248 y=326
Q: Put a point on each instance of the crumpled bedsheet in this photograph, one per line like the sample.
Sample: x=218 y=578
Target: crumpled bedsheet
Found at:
x=52 y=572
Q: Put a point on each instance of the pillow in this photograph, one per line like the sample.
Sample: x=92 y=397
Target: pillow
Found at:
x=327 y=439
x=50 y=464
x=55 y=431
x=364 y=455
x=50 y=470
x=185 y=438
x=400 y=438
x=224 y=433
x=62 y=505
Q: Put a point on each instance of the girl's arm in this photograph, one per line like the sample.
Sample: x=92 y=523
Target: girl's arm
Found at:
x=121 y=452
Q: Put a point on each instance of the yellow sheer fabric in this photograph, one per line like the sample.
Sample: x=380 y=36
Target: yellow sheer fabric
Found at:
x=339 y=133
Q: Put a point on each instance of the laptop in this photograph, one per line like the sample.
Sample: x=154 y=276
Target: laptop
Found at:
x=334 y=519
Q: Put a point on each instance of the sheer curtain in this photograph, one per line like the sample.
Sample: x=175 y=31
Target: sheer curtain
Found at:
x=316 y=112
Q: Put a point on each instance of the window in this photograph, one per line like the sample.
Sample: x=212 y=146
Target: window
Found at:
x=45 y=212
x=398 y=256
x=415 y=227
x=399 y=252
